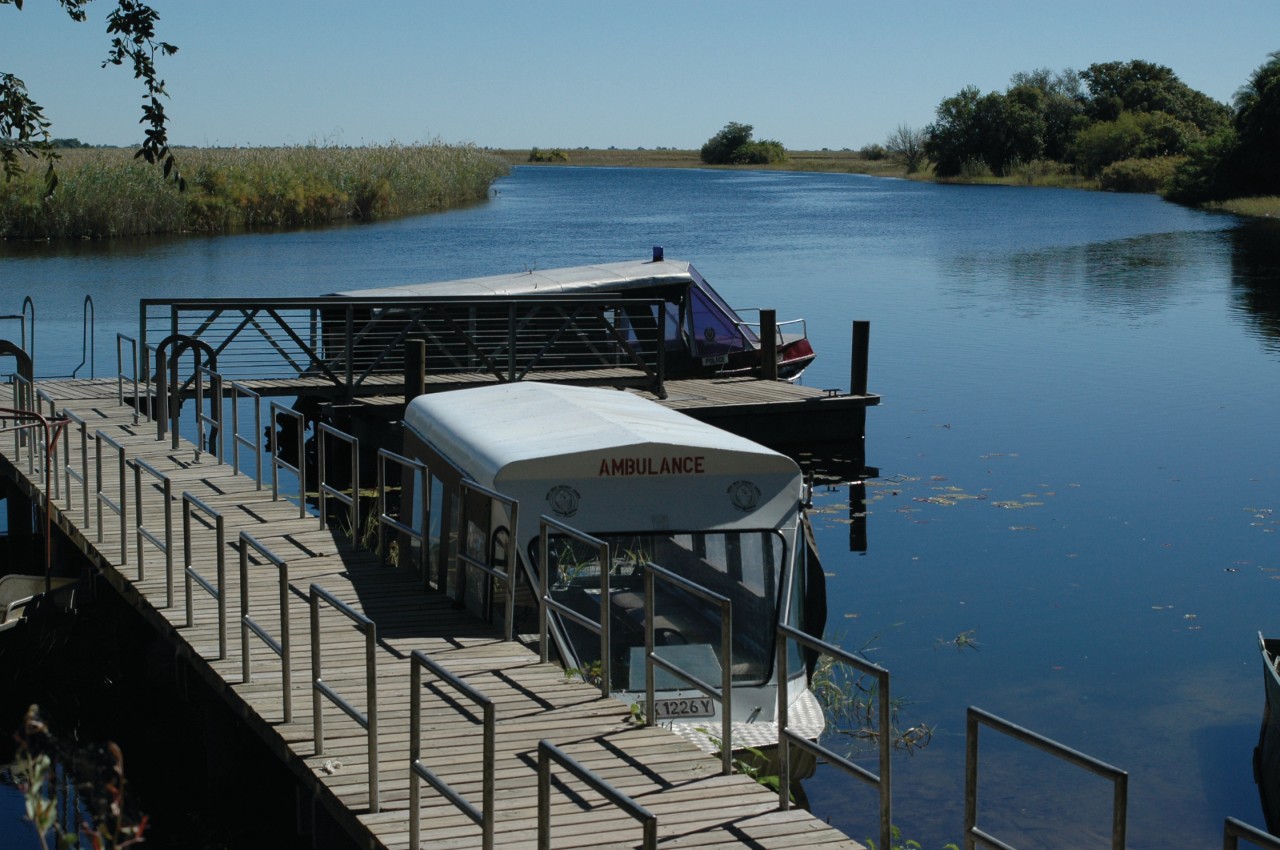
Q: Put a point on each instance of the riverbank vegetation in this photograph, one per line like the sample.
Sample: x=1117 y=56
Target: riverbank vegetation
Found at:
x=107 y=192
x=1120 y=126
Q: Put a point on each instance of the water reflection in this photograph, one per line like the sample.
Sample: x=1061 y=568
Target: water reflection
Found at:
x=1255 y=278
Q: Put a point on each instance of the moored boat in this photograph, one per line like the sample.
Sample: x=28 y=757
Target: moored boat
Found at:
x=702 y=335
x=659 y=488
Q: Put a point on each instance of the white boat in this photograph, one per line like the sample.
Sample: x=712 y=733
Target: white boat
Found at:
x=659 y=487
x=703 y=336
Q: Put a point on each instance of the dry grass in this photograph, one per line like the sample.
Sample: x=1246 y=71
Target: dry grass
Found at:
x=105 y=192
x=1262 y=207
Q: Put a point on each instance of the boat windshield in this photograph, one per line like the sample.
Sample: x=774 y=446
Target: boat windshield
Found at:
x=717 y=329
x=743 y=566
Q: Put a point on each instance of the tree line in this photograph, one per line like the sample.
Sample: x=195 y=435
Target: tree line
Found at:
x=1132 y=126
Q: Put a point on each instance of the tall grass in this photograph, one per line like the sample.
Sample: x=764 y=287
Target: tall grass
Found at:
x=105 y=192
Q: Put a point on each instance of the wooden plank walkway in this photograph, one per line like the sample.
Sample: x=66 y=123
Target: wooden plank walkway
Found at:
x=696 y=807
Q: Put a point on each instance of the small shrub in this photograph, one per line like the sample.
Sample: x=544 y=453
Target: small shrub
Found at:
x=1140 y=175
x=873 y=152
x=553 y=155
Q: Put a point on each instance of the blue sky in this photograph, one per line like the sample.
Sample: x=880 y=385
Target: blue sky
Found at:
x=595 y=73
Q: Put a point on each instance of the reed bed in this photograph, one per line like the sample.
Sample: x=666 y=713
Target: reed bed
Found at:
x=105 y=192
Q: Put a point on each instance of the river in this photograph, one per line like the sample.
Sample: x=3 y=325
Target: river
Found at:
x=1074 y=523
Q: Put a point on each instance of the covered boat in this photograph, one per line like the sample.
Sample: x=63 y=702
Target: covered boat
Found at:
x=659 y=487
x=702 y=335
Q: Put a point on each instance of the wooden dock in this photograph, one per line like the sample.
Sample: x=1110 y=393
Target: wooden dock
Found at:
x=695 y=806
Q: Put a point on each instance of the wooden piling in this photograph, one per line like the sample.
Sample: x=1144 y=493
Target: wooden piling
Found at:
x=858 y=360
x=769 y=345
x=415 y=369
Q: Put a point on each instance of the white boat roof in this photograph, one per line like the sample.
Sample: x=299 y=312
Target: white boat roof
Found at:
x=607 y=277
x=622 y=461
x=487 y=429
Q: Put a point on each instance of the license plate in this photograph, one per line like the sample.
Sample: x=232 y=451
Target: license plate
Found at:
x=716 y=360
x=674 y=709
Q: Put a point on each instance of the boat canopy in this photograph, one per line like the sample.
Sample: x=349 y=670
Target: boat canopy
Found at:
x=577 y=280
x=606 y=460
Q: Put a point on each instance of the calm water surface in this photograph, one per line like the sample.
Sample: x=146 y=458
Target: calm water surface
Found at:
x=1077 y=446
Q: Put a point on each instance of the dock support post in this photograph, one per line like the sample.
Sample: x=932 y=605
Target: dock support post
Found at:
x=415 y=369
x=769 y=345
x=858 y=361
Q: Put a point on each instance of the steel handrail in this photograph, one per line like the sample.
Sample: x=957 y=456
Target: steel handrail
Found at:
x=327 y=490
x=1234 y=829
x=190 y=503
x=545 y=525
x=483 y=816
x=121 y=376
x=23 y=400
x=976 y=718
x=118 y=508
x=165 y=545
x=238 y=439
x=278 y=464
x=385 y=519
x=69 y=473
x=52 y=429
x=88 y=338
x=788 y=738
x=319 y=688
x=52 y=457
x=282 y=647
x=213 y=419
x=723 y=694
x=549 y=752
x=465 y=558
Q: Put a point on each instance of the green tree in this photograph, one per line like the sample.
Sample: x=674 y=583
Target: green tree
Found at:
x=733 y=145
x=24 y=130
x=1257 y=125
x=953 y=136
x=997 y=130
x=1138 y=86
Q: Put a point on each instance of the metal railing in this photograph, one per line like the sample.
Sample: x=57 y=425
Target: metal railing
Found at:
x=1233 y=830
x=253 y=443
x=70 y=474
x=349 y=346
x=977 y=718
x=319 y=688
x=282 y=647
x=327 y=490
x=122 y=377
x=191 y=504
x=145 y=534
x=483 y=816
x=423 y=487
x=466 y=558
x=549 y=752
x=722 y=694
x=546 y=604
x=23 y=400
x=213 y=419
x=51 y=455
x=116 y=507
x=277 y=463
x=787 y=738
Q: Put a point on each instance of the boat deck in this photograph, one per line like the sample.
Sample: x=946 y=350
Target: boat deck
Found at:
x=695 y=805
